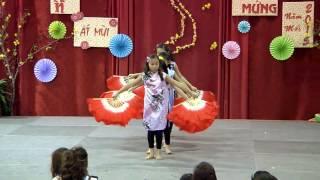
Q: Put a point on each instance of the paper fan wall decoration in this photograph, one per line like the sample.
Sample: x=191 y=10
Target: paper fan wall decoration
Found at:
x=121 y=45
x=281 y=48
x=45 y=70
x=244 y=26
x=231 y=50
x=57 y=30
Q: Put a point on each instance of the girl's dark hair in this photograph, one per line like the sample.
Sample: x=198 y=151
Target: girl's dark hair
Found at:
x=163 y=66
x=204 y=171
x=74 y=164
x=167 y=51
x=147 y=69
x=81 y=158
x=187 y=176
x=262 y=175
x=56 y=158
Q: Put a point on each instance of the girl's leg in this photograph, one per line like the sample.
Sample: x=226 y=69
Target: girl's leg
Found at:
x=167 y=137
x=151 y=135
x=159 y=135
x=159 y=138
x=167 y=132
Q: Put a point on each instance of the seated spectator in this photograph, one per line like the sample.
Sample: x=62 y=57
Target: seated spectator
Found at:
x=72 y=165
x=263 y=175
x=204 y=171
x=187 y=176
x=56 y=162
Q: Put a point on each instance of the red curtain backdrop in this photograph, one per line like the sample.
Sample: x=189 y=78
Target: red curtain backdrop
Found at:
x=258 y=87
x=253 y=86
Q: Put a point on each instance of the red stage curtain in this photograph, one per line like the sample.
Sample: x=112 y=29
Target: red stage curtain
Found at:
x=81 y=74
x=257 y=86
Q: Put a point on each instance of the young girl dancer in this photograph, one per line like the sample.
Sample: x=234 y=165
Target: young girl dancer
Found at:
x=165 y=54
x=168 y=65
x=156 y=101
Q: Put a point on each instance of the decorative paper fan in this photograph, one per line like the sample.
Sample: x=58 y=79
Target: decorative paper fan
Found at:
x=193 y=115
x=57 y=30
x=111 y=112
x=244 y=26
x=117 y=82
x=203 y=95
x=45 y=70
x=231 y=50
x=281 y=48
x=121 y=45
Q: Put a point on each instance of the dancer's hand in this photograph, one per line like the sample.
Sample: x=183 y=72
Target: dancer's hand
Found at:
x=194 y=94
x=115 y=95
x=193 y=88
x=131 y=76
x=191 y=101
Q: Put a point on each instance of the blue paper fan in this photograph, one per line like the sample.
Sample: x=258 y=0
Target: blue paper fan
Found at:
x=244 y=26
x=45 y=70
x=121 y=45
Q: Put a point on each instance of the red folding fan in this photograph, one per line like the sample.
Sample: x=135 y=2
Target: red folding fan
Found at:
x=117 y=82
x=112 y=111
x=204 y=95
x=139 y=91
x=127 y=96
x=194 y=115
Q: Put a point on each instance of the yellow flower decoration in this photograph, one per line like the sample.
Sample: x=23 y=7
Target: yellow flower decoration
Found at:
x=2 y=56
x=213 y=46
x=16 y=42
x=184 y=13
x=206 y=6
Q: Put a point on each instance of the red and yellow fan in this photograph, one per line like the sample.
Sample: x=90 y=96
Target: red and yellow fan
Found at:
x=139 y=91
x=117 y=82
x=127 y=96
x=203 y=95
x=194 y=115
x=116 y=111
x=111 y=111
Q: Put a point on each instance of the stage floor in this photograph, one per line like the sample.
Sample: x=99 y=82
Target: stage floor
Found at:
x=288 y=149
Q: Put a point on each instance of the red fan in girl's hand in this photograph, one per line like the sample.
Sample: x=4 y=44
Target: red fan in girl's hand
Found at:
x=139 y=91
x=127 y=96
x=194 y=115
x=117 y=82
x=112 y=111
x=203 y=95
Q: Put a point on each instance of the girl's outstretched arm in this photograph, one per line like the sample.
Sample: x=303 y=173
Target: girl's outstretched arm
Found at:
x=176 y=69
x=180 y=85
x=136 y=82
x=177 y=78
x=180 y=92
x=134 y=76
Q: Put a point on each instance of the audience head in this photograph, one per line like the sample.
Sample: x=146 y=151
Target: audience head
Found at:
x=187 y=176
x=263 y=175
x=56 y=158
x=70 y=164
x=204 y=171
x=81 y=158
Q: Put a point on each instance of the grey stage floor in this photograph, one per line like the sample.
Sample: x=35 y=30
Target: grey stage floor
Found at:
x=236 y=148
